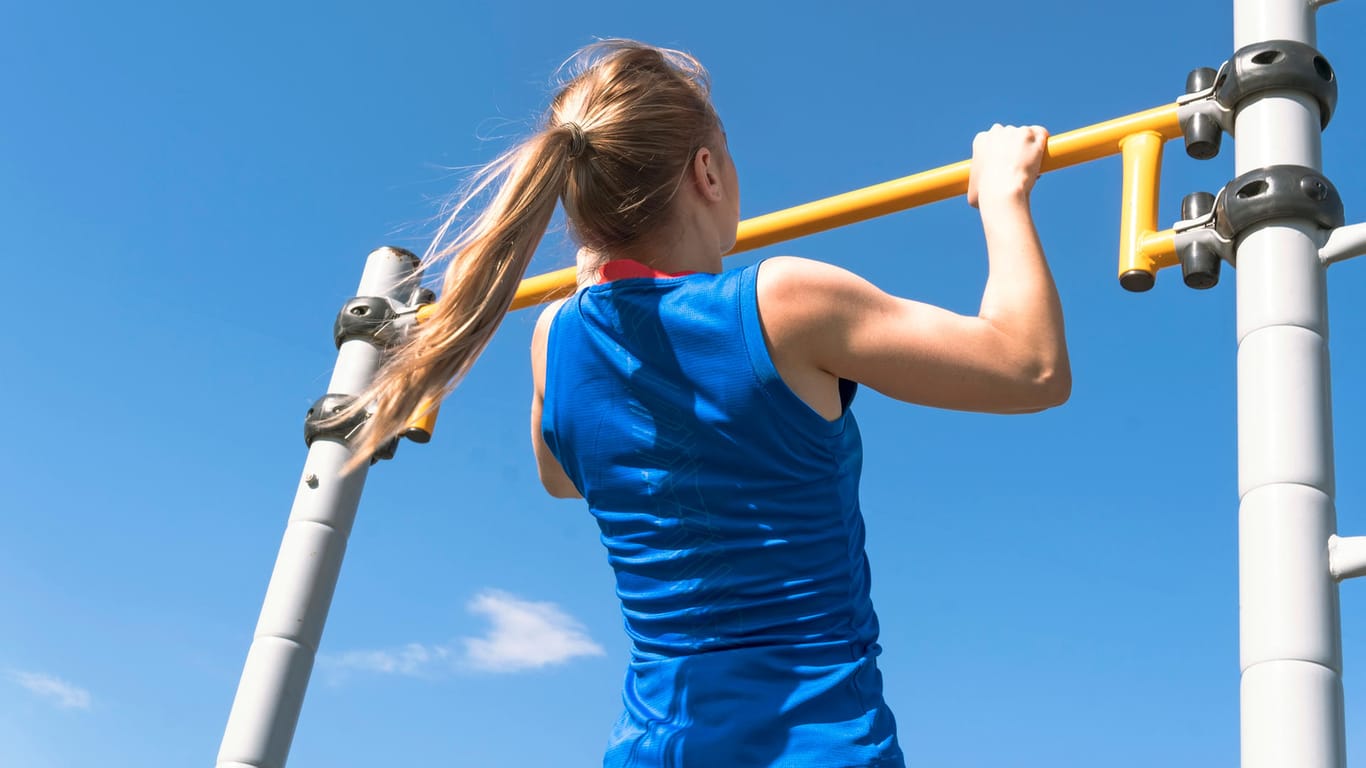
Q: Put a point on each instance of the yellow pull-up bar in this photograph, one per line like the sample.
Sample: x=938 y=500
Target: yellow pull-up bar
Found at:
x=1143 y=249
x=1064 y=150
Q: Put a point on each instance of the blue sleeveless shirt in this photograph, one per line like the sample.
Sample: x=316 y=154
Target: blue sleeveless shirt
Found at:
x=730 y=513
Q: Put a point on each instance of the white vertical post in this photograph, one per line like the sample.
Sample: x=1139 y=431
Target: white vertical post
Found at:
x=1292 y=703
x=271 y=692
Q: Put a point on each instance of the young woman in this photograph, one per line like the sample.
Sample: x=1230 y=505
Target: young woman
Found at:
x=704 y=414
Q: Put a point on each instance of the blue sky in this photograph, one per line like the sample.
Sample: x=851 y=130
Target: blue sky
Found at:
x=189 y=195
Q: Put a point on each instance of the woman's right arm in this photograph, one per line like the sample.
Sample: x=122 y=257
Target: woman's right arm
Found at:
x=1010 y=358
x=553 y=476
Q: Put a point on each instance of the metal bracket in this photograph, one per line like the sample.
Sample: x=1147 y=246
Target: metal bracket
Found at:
x=381 y=321
x=1276 y=192
x=1199 y=246
x=1285 y=65
x=1203 y=120
x=1207 y=233
x=378 y=319
x=367 y=317
x=1211 y=225
x=320 y=424
x=1212 y=98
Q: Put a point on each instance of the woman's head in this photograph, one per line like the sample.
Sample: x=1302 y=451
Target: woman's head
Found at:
x=632 y=118
x=630 y=126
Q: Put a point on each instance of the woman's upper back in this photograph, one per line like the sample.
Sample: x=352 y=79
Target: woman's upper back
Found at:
x=728 y=506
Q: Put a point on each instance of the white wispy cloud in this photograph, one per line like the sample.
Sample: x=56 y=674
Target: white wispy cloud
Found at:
x=522 y=635
x=413 y=660
x=57 y=691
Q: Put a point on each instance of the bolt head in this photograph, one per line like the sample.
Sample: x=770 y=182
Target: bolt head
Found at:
x=1315 y=189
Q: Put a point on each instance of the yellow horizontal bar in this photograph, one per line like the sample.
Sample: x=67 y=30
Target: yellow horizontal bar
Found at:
x=1064 y=150
x=546 y=287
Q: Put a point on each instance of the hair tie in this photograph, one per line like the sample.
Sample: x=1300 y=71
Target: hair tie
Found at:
x=578 y=143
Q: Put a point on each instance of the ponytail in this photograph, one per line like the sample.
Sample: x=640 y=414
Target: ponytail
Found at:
x=622 y=132
x=486 y=264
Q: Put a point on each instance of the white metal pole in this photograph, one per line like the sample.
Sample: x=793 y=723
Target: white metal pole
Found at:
x=270 y=694
x=1291 y=655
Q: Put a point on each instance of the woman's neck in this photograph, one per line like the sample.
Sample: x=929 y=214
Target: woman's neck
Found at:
x=688 y=244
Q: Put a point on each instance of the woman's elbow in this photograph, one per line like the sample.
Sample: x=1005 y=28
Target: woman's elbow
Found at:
x=1033 y=385
x=1048 y=386
x=1057 y=388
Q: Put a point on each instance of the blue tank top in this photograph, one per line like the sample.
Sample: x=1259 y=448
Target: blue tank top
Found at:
x=730 y=513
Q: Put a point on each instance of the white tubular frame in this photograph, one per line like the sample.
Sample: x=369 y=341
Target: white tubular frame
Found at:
x=280 y=661
x=1291 y=638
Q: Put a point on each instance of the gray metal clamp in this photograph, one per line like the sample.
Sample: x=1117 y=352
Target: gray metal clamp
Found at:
x=1278 y=65
x=1212 y=97
x=376 y=318
x=1277 y=192
x=320 y=423
x=1211 y=225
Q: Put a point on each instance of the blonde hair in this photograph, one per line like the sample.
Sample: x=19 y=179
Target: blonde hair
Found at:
x=613 y=148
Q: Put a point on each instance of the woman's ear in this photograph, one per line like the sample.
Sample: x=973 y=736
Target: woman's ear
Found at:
x=706 y=175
